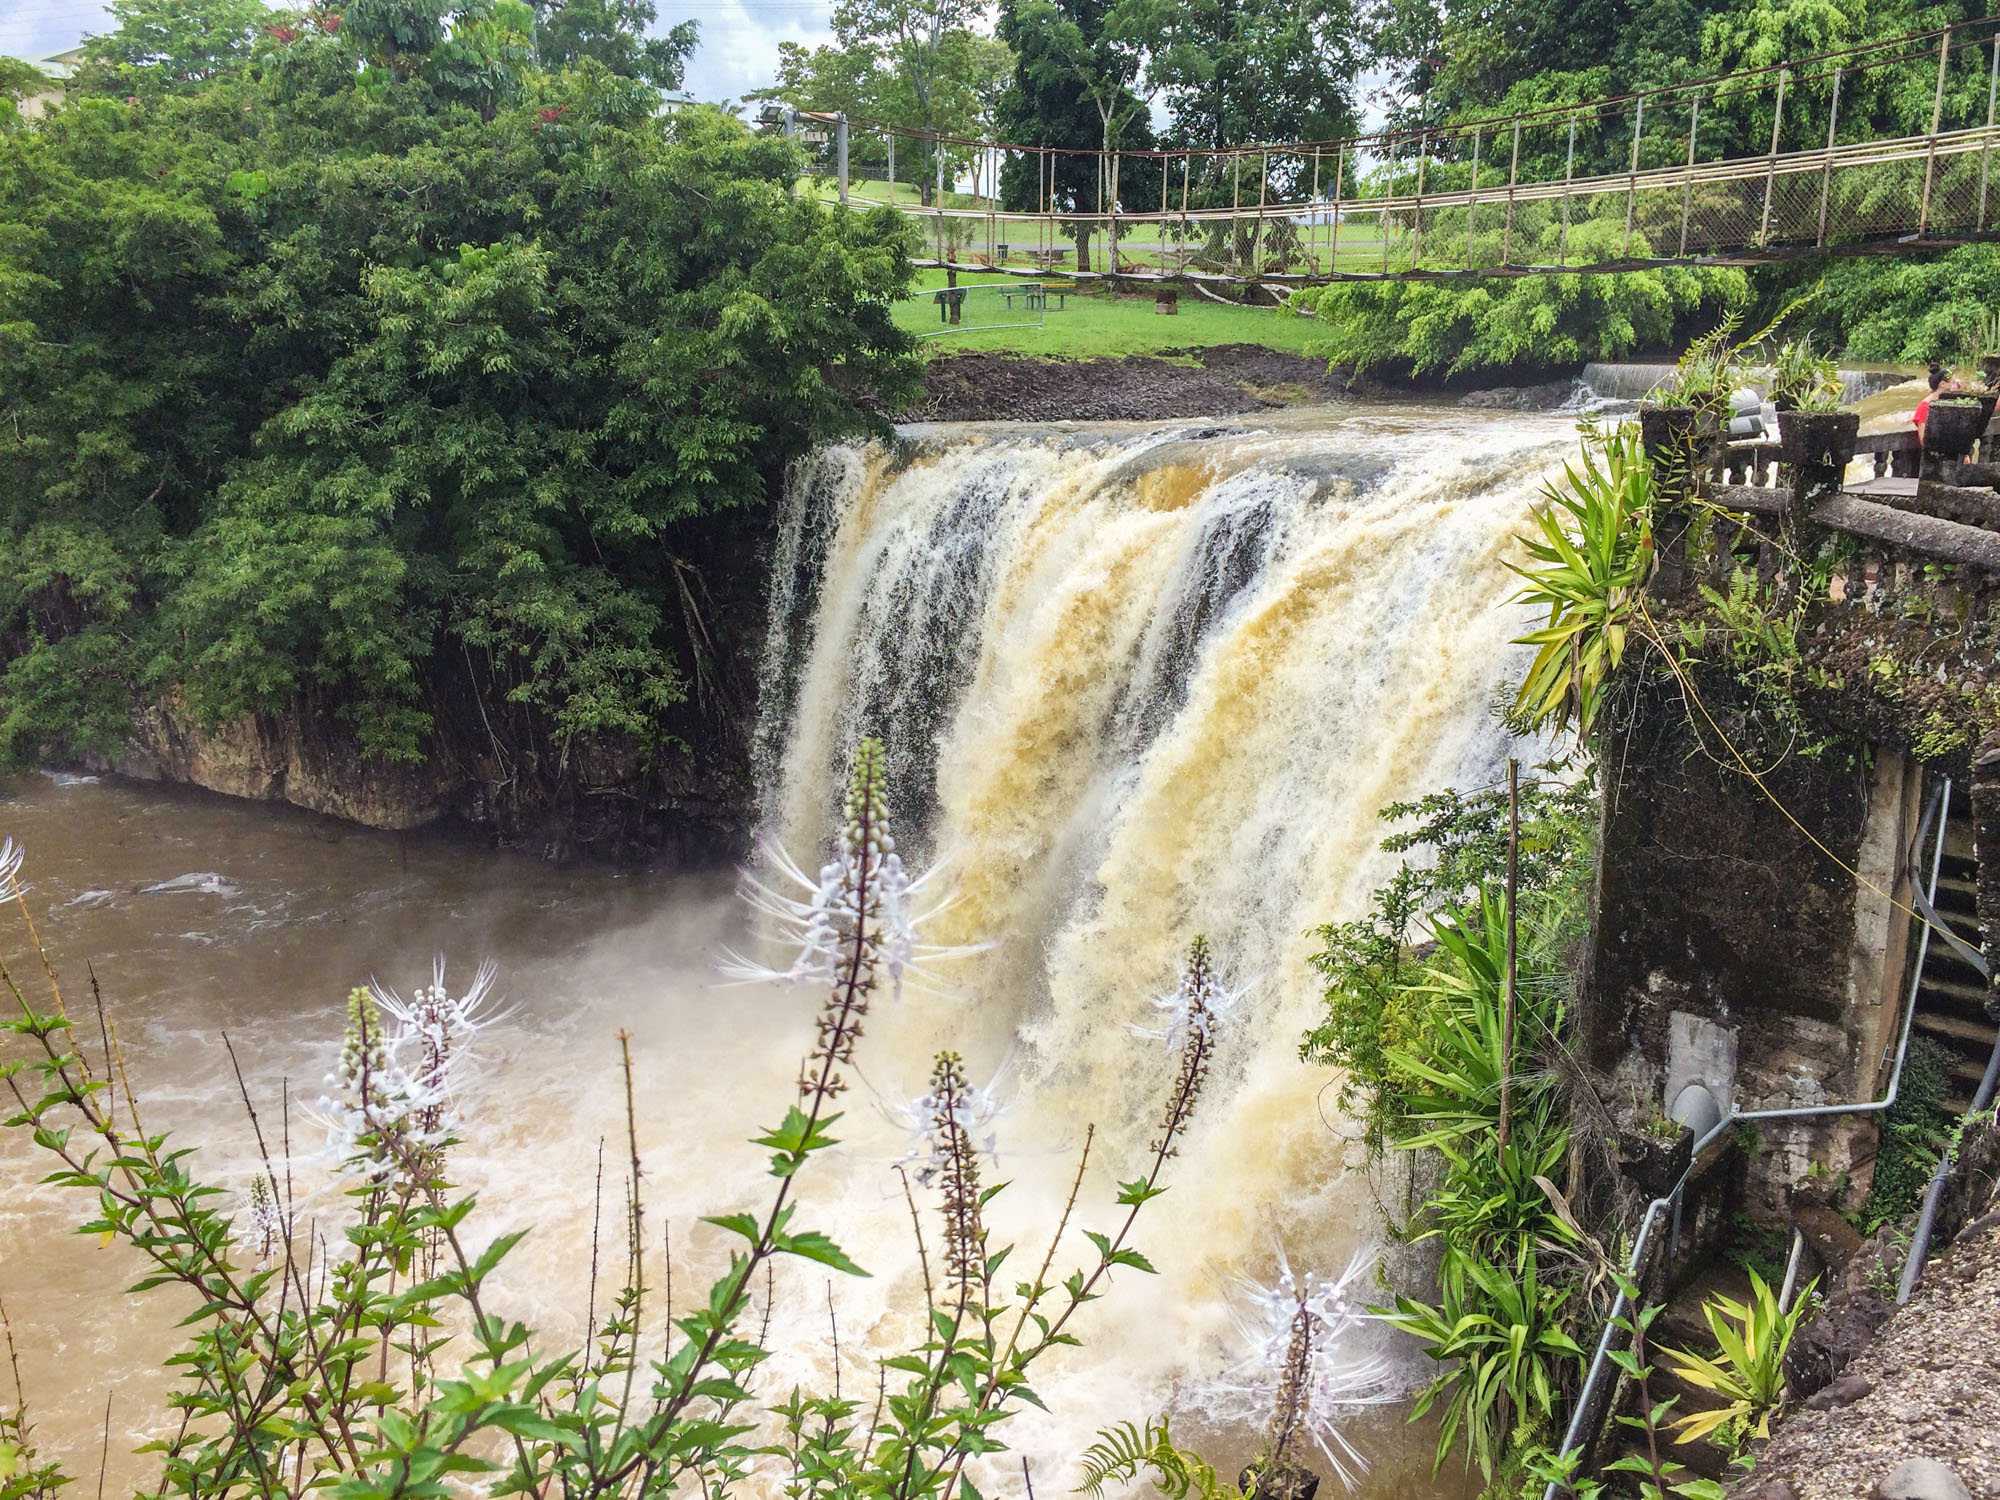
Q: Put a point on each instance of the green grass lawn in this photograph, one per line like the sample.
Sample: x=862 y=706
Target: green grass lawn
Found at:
x=1095 y=323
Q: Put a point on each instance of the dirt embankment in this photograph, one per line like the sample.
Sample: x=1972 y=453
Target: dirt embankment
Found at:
x=1181 y=383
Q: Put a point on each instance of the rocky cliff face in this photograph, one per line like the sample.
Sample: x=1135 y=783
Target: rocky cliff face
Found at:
x=299 y=758
x=690 y=804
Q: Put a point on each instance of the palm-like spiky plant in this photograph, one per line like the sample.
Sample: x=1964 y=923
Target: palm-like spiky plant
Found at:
x=1590 y=559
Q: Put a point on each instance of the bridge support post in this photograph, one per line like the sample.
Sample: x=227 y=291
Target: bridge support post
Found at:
x=1687 y=191
x=1986 y=152
x=1569 y=175
x=1937 y=118
x=1771 y=164
x=1826 y=172
x=840 y=152
x=1333 y=250
x=1472 y=203
x=1513 y=172
x=1417 y=215
x=1632 y=177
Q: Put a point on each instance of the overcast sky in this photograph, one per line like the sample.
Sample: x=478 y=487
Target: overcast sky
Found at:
x=738 y=52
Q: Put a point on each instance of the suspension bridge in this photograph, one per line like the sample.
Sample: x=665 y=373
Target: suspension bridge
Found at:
x=1753 y=167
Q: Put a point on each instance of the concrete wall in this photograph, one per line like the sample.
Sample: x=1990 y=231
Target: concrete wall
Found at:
x=1735 y=942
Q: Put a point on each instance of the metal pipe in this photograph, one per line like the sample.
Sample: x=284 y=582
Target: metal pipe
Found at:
x=1573 y=1435
x=1792 y=1270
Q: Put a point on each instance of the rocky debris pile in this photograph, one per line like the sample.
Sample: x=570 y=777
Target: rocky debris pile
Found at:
x=1916 y=1415
x=1211 y=382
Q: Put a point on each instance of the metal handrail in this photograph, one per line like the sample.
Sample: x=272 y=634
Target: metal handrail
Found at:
x=1579 y=1422
x=1982 y=1097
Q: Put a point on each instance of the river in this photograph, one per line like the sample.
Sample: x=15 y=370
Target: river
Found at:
x=1138 y=682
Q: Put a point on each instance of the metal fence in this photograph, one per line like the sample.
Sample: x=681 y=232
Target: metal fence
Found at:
x=1755 y=166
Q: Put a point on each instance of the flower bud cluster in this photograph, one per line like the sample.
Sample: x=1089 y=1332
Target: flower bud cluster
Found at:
x=964 y=1234
x=264 y=1232
x=1312 y=1360
x=859 y=924
x=1193 y=1011
x=391 y=1105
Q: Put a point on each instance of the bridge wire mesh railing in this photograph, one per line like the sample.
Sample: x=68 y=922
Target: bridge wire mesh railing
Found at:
x=1876 y=148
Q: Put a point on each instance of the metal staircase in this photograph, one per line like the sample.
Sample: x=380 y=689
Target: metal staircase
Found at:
x=1951 y=990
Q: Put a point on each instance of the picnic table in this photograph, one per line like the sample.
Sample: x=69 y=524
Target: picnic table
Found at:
x=1037 y=294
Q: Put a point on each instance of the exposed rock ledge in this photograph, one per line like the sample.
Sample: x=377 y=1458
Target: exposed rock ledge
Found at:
x=297 y=759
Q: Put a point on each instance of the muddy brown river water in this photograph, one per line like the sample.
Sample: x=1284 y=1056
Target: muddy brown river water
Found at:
x=199 y=915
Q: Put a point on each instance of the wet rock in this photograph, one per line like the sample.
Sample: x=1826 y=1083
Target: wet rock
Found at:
x=1921 y=1479
x=979 y=387
x=1769 y=1489
x=1845 y=1391
x=1830 y=1237
x=1286 y=1482
x=1544 y=397
x=1828 y=1344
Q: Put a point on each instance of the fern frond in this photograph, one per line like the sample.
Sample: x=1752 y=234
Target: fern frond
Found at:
x=1123 y=1450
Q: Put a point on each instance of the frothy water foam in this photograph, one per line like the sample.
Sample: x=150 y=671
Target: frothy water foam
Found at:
x=1138 y=685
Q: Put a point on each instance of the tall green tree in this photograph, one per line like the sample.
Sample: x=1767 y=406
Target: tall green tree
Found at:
x=1073 y=88
x=171 y=46
x=1234 y=72
x=616 y=34
x=376 y=396
x=922 y=64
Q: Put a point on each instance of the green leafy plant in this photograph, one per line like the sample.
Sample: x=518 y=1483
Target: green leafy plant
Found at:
x=1501 y=1328
x=1588 y=563
x=1748 y=1370
x=1656 y=1475
x=1709 y=371
x=1803 y=379
x=1122 y=1452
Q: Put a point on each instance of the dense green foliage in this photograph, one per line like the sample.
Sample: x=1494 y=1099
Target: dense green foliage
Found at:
x=1529 y=322
x=1376 y=1001
x=1457 y=62
x=1418 y=1028
x=390 y=371
x=1915 y=1131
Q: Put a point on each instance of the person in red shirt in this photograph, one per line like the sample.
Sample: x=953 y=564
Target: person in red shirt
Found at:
x=1924 y=406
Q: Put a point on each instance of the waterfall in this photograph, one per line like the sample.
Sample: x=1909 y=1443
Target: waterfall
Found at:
x=1635 y=382
x=1138 y=684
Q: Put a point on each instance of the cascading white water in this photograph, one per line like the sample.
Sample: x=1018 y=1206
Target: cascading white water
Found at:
x=1139 y=684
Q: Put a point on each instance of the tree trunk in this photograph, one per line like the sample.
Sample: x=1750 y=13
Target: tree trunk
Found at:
x=1083 y=249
